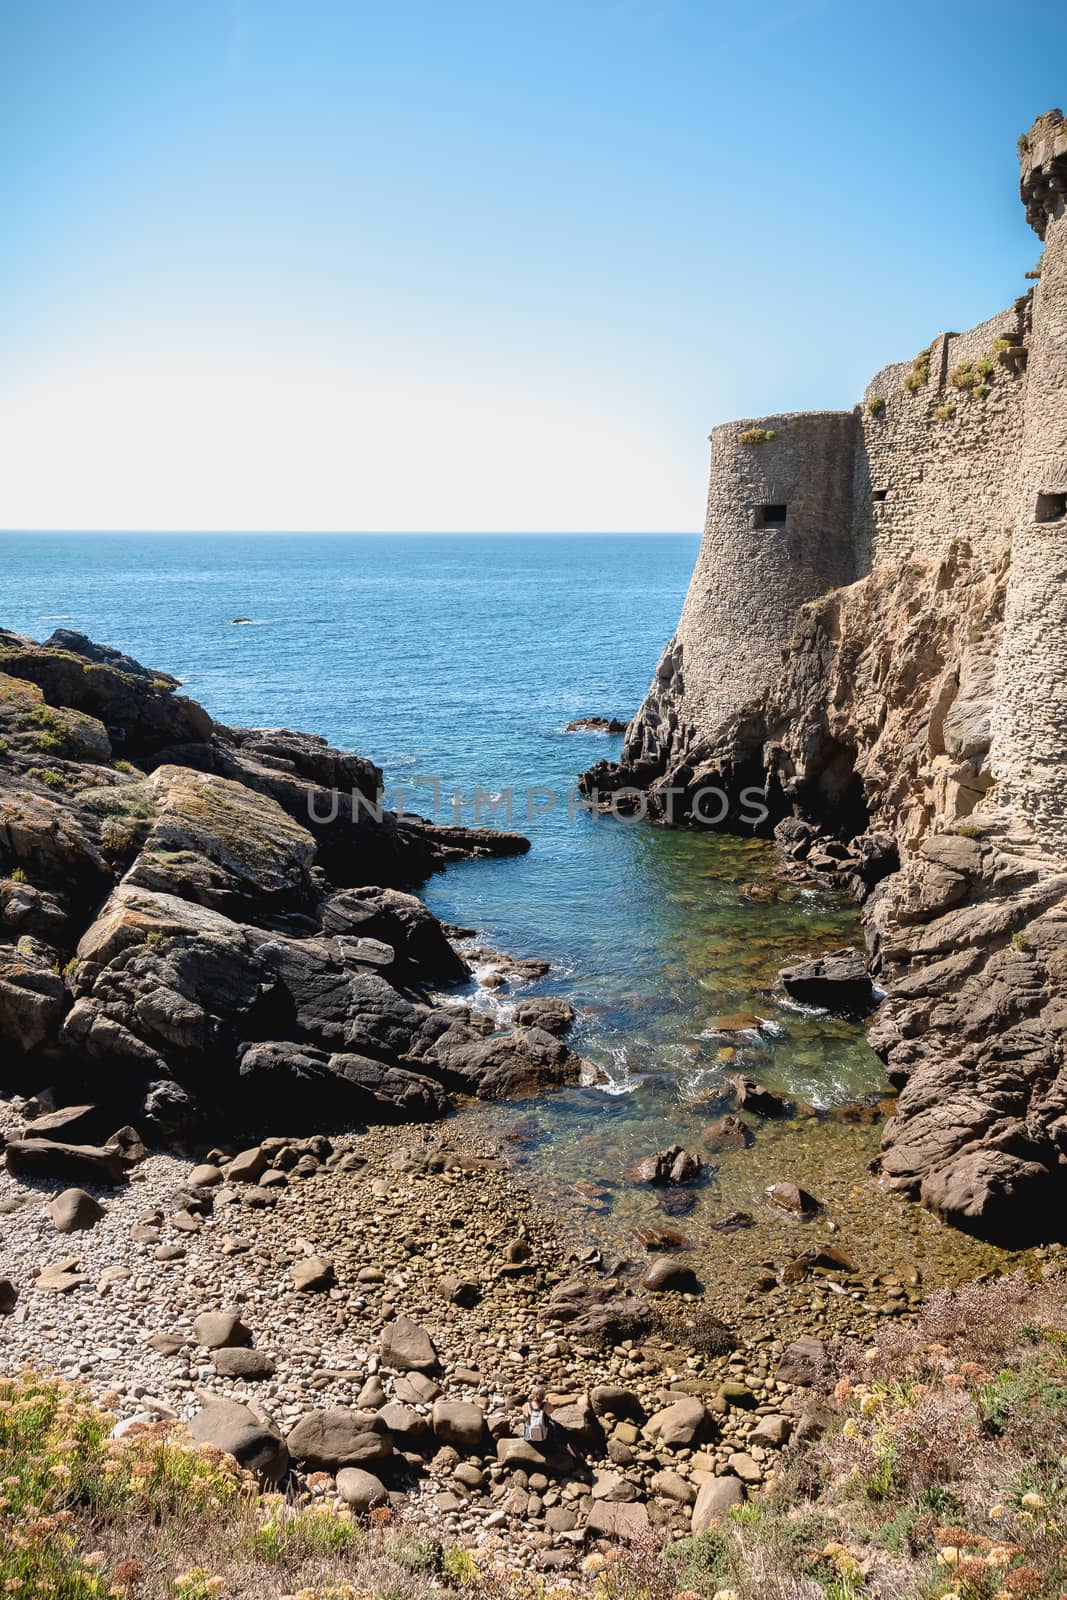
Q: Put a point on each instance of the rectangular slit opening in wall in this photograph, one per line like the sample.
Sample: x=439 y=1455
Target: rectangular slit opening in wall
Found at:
x=770 y=516
x=878 y=495
x=1051 y=508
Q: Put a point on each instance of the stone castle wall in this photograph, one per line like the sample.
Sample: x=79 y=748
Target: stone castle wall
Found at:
x=757 y=566
x=933 y=459
x=1029 y=753
x=924 y=479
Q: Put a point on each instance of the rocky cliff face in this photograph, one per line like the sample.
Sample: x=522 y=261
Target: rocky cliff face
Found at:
x=873 y=744
x=206 y=926
x=910 y=732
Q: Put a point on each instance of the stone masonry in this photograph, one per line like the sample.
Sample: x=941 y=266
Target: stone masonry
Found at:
x=965 y=444
x=875 y=639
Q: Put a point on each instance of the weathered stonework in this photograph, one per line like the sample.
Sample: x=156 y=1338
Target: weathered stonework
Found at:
x=876 y=633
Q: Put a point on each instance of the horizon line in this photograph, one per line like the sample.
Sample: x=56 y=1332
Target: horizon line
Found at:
x=369 y=533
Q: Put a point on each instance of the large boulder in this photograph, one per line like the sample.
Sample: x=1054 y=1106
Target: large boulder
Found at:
x=403 y=923
x=220 y=844
x=234 y=1428
x=407 y=1347
x=218 y=1330
x=140 y=711
x=510 y=1066
x=74 y=1210
x=323 y=1441
x=715 y=1499
x=680 y=1425
x=838 y=982
x=459 y=1423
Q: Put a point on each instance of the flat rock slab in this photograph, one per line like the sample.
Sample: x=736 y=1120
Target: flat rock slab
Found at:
x=615 y=1519
x=75 y=1163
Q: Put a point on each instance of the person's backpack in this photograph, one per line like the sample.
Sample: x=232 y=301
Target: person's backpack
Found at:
x=536 y=1426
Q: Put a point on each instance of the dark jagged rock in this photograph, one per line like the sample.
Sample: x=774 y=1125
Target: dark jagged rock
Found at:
x=838 y=982
x=215 y=925
x=671 y=1166
x=597 y=1312
x=595 y=725
x=76 y=1163
x=752 y=1096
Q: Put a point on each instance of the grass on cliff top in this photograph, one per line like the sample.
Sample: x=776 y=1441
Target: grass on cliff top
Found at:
x=942 y=1475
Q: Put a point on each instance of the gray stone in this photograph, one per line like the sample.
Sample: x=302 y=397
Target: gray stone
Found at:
x=715 y=1498
x=672 y=1486
x=680 y=1425
x=235 y=1362
x=233 y=1428
x=74 y=1210
x=406 y=1347
x=337 y=1437
x=802 y=1361
x=217 y=1329
x=360 y=1489
x=772 y=1431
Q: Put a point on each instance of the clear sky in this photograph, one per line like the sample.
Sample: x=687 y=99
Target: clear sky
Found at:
x=332 y=264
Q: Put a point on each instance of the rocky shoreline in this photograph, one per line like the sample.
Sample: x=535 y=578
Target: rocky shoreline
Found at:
x=376 y=1306
x=218 y=997
x=202 y=926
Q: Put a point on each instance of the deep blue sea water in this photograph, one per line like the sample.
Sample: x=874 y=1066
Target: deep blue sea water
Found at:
x=463 y=658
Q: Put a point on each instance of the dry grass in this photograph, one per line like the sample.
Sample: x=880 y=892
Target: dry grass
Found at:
x=942 y=1476
x=149 y=1517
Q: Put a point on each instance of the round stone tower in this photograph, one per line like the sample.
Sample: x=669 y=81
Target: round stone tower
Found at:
x=778 y=533
x=1030 y=717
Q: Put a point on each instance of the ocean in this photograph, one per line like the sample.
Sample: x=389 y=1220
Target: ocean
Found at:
x=461 y=658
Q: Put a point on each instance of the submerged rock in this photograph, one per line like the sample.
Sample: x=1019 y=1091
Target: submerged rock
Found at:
x=838 y=982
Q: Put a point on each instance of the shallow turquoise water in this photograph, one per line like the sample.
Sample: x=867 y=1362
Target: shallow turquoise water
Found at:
x=462 y=658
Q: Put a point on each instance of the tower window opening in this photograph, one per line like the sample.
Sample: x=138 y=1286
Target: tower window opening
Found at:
x=1051 y=508
x=878 y=495
x=770 y=517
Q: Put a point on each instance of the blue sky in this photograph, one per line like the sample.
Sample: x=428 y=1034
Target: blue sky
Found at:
x=331 y=264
